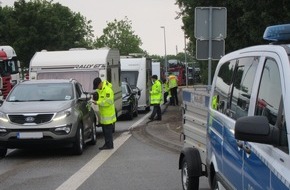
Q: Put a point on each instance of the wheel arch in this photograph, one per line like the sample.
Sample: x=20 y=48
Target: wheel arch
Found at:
x=212 y=169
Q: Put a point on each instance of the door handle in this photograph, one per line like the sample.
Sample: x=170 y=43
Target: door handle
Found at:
x=247 y=149
x=240 y=144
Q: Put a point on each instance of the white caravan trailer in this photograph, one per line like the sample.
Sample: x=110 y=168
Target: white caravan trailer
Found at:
x=82 y=65
x=137 y=72
x=156 y=69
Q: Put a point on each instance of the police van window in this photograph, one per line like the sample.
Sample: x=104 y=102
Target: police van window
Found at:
x=222 y=87
x=269 y=96
x=269 y=101
x=242 y=86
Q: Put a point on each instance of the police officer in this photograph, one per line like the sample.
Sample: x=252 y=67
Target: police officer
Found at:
x=106 y=110
x=156 y=98
x=173 y=84
x=166 y=91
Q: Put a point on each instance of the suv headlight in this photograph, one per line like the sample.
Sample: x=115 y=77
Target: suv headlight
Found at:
x=62 y=114
x=3 y=117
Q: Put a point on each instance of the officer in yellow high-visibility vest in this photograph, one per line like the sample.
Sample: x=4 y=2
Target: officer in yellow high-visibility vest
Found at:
x=173 y=85
x=156 y=98
x=166 y=91
x=107 y=111
x=215 y=102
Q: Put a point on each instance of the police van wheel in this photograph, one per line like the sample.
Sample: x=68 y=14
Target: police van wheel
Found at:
x=3 y=152
x=78 y=146
x=188 y=183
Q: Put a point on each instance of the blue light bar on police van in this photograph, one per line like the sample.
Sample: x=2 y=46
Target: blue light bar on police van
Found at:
x=277 y=33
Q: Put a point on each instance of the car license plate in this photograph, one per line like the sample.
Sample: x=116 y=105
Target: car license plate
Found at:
x=30 y=135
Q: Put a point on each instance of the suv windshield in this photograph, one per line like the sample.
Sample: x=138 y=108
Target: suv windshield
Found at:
x=41 y=92
x=124 y=89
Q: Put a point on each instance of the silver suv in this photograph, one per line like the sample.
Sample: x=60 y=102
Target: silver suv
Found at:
x=47 y=112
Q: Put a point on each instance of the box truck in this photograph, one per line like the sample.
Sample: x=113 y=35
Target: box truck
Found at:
x=9 y=70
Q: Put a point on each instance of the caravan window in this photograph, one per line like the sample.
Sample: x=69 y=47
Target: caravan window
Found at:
x=130 y=76
x=84 y=78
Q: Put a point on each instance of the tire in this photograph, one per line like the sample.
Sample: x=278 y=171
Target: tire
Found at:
x=3 y=152
x=136 y=112
x=78 y=145
x=188 y=183
x=130 y=114
x=93 y=140
x=147 y=108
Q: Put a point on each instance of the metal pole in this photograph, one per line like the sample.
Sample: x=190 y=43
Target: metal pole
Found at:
x=209 y=47
x=165 y=56
x=185 y=60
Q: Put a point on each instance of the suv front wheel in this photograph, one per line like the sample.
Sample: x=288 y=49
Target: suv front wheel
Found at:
x=3 y=152
x=78 y=145
x=93 y=140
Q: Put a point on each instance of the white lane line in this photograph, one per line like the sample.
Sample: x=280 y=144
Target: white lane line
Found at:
x=87 y=170
x=139 y=121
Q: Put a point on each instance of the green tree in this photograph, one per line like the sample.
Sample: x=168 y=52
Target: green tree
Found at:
x=246 y=20
x=119 y=34
x=39 y=24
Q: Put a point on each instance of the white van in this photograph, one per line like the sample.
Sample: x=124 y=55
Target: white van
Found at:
x=137 y=72
x=80 y=64
x=247 y=136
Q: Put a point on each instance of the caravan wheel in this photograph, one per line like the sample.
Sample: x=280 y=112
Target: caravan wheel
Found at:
x=188 y=183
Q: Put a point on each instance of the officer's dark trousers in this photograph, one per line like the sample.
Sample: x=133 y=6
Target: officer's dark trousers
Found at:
x=108 y=134
x=156 y=110
x=174 y=98
x=165 y=97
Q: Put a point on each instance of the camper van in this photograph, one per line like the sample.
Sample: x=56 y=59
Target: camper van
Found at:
x=137 y=72
x=80 y=64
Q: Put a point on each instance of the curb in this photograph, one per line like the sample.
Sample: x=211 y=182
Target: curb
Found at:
x=162 y=134
x=163 y=141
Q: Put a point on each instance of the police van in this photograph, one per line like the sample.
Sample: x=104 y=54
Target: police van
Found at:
x=247 y=137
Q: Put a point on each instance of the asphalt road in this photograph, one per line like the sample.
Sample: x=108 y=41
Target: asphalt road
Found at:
x=138 y=161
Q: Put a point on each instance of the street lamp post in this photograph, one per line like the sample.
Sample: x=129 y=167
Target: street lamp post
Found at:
x=165 y=56
x=185 y=60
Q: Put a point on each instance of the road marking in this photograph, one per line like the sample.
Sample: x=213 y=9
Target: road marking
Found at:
x=87 y=170
x=139 y=121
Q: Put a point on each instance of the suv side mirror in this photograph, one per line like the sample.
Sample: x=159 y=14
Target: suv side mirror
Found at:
x=256 y=129
x=84 y=97
x=137 y=91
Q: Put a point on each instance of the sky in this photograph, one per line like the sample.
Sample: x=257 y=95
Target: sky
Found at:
x=147 y=17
